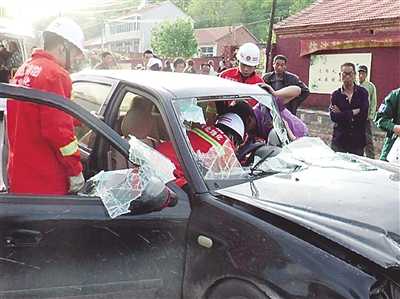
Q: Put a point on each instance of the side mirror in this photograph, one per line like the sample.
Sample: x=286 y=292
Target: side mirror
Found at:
x=154 y=197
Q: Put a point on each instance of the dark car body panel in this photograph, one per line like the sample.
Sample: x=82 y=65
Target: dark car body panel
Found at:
x=255 y=249
x=311 y=199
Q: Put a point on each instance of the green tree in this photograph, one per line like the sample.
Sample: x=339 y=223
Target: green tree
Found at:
x=254 y=14
x=4 y=12
x=174 y=39
x=182 y=4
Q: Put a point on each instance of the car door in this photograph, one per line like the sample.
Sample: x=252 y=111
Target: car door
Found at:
x=68 y=246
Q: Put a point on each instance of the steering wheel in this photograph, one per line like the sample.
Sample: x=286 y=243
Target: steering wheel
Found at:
x=250 y=149
x=260 y=149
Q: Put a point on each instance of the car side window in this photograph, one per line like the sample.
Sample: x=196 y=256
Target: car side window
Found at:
x=91 y=96
x=135 y=118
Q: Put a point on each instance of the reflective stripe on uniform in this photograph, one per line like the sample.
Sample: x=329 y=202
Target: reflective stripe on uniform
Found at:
x=69 y=149
x=209 y=139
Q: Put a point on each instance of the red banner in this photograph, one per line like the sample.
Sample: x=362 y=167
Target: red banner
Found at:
x=313 y=45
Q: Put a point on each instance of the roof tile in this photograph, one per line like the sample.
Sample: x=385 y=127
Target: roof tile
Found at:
x=212 y=35
x=342 y=11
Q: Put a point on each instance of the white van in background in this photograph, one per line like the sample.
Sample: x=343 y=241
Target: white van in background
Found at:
x=23 y=35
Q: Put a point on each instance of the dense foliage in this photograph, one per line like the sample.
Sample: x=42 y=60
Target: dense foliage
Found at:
x=174 y=39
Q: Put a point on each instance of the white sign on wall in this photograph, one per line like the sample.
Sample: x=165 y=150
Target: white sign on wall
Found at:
x=325 y=70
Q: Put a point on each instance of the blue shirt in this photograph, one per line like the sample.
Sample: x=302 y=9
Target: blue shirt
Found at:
x=349 y=129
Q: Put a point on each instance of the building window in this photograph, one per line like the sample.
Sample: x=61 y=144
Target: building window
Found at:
x=122 y=47
x=207 y=51
x=128 y=25
x=136 y=46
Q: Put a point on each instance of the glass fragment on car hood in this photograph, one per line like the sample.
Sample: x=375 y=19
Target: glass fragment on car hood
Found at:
x=119 y=187
x=221 y=163
x=311 y=151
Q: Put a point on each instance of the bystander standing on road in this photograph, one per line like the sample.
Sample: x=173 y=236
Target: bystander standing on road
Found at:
x=14 y=59
x=145 y=58
x=388 y=119
x=205 y=69
x=221 y=67
x=179 y=65
x=106 y=62
x=167 y=66
x=212 y=69
x=280 y=78
x=370 y=87
x=44 y=157
x=190 y=67
x=154 y=64
x=349 y=111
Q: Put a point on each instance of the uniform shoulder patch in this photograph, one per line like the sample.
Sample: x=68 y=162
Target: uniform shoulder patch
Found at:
x=382 y=107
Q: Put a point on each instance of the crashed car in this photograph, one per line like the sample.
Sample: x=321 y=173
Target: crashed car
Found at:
x=306 y=223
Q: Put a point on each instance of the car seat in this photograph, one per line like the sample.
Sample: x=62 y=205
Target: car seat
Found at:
x=139 y=122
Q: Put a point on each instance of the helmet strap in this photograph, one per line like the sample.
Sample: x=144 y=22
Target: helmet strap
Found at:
x=68 y=57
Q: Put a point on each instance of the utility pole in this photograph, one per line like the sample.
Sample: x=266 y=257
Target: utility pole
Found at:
x=269 y=40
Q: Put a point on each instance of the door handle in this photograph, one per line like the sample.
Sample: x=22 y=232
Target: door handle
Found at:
x=23 y=238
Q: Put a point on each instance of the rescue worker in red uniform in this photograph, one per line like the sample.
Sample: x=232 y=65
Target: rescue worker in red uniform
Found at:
x=43 y=151
x=248 y=56
x=225 y=136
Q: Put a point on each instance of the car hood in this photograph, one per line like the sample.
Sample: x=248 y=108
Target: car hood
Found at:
x=356 y=209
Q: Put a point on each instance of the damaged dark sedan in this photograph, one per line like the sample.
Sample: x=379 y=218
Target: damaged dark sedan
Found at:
x=305 y=223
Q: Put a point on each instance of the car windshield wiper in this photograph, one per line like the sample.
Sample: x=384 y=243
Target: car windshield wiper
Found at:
x=255 y=167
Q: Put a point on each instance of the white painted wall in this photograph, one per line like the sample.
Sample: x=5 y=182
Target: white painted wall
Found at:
x=150 y=18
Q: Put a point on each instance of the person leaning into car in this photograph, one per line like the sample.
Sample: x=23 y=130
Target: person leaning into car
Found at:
x=388 y=119
x=281 y=78
x=44 y=157
x=225 y=136
x=349 y=112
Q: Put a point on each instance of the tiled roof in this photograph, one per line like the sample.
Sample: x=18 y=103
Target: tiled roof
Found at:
x=212 y=35
x=342 y=11
x=96 y=41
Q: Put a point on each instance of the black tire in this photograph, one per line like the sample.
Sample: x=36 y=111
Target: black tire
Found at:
x=236 y=289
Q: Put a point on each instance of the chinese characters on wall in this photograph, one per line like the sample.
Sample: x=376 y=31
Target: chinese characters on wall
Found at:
x=325 y=70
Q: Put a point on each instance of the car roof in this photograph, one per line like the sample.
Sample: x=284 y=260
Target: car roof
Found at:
x=179 y=84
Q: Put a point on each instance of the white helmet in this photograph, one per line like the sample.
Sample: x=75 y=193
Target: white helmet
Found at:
x=233 y=121
x=249 y=54
x=68 y=30
x=153 y=61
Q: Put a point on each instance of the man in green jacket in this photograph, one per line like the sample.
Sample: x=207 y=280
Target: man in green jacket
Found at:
x=370 y=87
x=388 y=119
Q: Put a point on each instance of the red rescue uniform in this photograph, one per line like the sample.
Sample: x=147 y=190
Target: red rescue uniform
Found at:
x=202 y=139
x=43 y=150
x=234 y=74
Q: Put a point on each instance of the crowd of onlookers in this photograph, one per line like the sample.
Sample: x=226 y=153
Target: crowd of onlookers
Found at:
x=151 y=62
x=10 y=60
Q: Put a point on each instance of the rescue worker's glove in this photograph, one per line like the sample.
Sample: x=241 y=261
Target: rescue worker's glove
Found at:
x=76 y=183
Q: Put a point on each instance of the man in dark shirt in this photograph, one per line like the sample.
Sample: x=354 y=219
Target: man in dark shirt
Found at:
x=280 y=78
x=349 y=111
x=106 y=62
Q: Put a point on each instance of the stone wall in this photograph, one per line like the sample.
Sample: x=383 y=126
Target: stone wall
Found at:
x=320 y=125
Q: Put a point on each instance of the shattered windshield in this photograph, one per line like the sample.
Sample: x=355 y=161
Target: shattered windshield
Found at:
x=117 y=189
x=219 y=162
x=310 y=151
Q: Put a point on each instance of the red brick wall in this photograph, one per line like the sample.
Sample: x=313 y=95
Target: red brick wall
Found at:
x=385 y=65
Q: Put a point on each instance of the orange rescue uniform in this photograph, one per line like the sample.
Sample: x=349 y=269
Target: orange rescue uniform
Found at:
x=202 y=140
x=43 y=150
